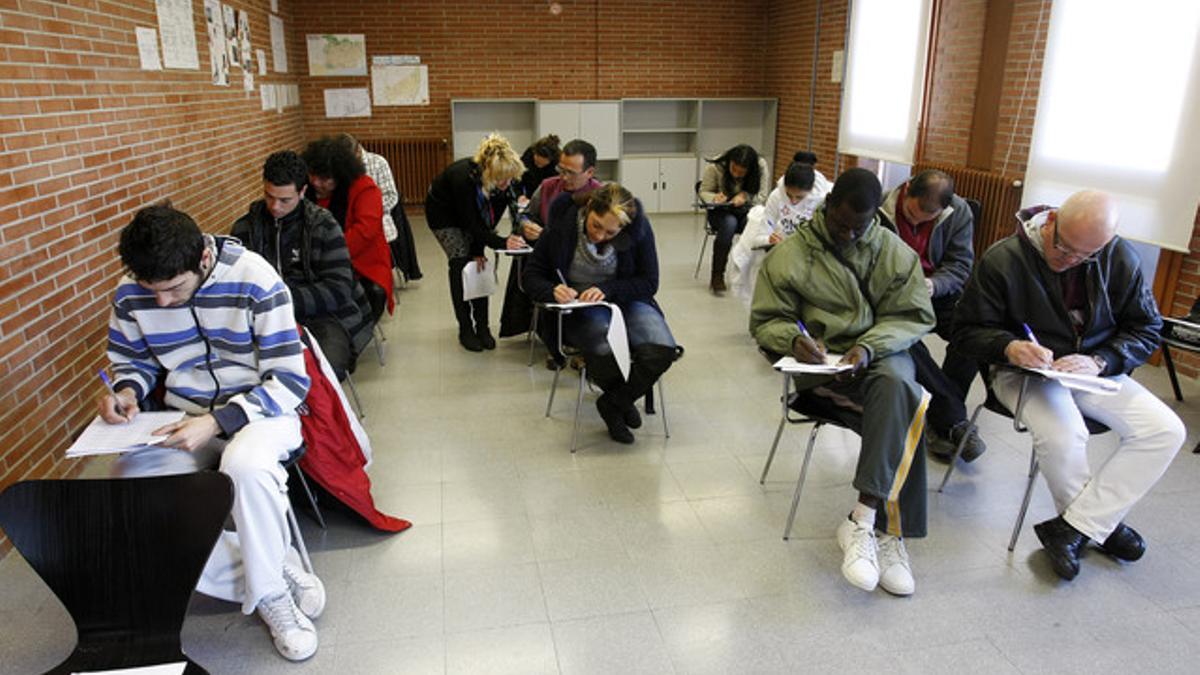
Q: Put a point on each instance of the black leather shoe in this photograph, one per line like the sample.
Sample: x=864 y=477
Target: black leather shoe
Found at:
x=485 y=337
x=633 y=419
x=1062 y=544
x=1124 y=544
x=614 y=419
x=469 y=341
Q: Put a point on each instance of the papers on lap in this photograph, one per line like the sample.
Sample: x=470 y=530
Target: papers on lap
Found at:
x=478 y=283
x=618 y=340
x=1080 y=382
x=102 y=438
x=831 y=366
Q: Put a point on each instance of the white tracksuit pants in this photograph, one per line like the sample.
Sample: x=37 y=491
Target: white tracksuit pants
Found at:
x=1095 y=502
x=245 y=566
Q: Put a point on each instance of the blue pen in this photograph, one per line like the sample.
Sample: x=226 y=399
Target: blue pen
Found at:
x=1029 y=334
x=561 y=277
x=803 y=330
x=108 y=385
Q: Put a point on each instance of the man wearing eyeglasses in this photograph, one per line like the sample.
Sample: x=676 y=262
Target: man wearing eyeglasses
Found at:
x=576 y=172
x=1065 y=292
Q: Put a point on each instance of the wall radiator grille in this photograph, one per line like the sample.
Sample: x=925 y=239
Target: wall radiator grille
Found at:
x=415 y=163
x=1000 y=197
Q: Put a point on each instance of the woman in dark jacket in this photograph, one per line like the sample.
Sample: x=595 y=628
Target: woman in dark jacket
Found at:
x=541 y=162
x=604 y=251
x=460 y=215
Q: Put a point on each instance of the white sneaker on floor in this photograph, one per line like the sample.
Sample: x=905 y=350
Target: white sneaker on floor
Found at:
x=896 y=573
x=307 y=590
x=860 y=564
x=294 y=635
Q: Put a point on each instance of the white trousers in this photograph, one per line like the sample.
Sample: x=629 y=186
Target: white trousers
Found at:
x=1095 y=502
x=245 y=566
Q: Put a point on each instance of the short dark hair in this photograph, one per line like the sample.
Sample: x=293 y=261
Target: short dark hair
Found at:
x=805 y=157
x=546 y=147
x=799 y=175
x=286 y=168
x=160 y=243
x=933 y=189
x=578 y=146
x=858 y=188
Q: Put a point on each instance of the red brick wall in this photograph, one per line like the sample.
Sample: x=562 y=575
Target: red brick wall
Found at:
x=955 y=76
x=594 y=49
x=88 y=138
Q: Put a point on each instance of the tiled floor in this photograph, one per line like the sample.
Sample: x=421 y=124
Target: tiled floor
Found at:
x=667 y=556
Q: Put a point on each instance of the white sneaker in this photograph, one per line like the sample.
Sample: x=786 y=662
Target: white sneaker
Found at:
x=307 y=590
x=896 y=577
x=294 y=635
x=859 y=564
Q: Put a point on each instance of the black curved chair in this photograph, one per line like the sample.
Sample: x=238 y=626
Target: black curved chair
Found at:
x=123 y=556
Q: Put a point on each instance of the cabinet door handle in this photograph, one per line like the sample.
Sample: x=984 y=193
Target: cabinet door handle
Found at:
x=654 y=185
x=664 y=185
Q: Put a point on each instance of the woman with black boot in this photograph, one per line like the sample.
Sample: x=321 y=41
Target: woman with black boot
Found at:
x=460 y=215
x=604 y=250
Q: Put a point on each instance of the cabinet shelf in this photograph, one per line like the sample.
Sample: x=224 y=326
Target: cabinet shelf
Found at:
x=675 y=130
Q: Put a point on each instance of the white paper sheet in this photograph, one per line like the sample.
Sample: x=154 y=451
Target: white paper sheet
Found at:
x=147 y=42
x=178 y=32
x=347 y=103
x=618 y=338
x=266 y=93
x=1080 y=382
x=218 y=56
x=160 y=669
x=102 y=438
x=831 y=366
x=261 y=57
x=478 y=283
x=278 y=44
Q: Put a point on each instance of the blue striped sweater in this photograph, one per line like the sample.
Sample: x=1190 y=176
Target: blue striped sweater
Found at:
x=232 y=350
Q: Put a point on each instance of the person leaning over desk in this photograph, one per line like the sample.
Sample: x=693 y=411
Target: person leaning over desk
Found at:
x=603 y=250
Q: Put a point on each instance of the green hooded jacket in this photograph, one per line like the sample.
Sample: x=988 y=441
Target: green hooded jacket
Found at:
x=801 y=278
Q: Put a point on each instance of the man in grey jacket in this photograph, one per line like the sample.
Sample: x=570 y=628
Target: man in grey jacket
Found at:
x=938 y=225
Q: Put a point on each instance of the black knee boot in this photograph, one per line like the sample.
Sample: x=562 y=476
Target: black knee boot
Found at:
x=462 y=308
x=720 y=257
x=479 y=310
x=612 y=404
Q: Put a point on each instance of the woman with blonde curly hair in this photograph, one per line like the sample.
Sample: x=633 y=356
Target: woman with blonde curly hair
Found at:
x=460 y=216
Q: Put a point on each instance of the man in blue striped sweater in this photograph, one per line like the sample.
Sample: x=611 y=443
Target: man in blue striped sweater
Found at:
x=212 y=323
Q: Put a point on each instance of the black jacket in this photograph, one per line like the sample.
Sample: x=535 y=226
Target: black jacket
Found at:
x=637 y=257
x=1012 y=285
x=455 y=200
x=308 y=250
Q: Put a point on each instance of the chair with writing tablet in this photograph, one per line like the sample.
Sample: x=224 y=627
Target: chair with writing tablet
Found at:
x=994 y=405
x=123 y=556
x=565 y=352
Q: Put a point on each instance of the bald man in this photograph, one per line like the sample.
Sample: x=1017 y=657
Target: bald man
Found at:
x=1079 y=288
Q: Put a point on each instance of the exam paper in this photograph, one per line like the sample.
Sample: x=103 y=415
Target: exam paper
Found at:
x=478 y=283
x=102 y=438
x=831 y=366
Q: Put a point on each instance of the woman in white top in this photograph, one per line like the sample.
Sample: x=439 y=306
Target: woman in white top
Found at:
x=799 y=192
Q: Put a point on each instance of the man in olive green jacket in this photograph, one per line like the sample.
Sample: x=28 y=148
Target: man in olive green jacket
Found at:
x=845 y=283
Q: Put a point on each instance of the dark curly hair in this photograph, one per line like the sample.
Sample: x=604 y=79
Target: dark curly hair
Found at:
x=285 y=168
x=746 y=157
x=160 y=243
x=334 y=157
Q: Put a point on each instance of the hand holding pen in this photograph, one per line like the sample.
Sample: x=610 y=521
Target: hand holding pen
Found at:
x=563 y=293
x=805 y=349
x=116 y=407
x=1028 y=353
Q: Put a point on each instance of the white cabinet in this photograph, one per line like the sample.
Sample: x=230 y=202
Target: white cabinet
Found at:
x=664 y=184
x=597 y=122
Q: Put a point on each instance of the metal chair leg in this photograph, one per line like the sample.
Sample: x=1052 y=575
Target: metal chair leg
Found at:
x=812 y=439
x=380 y=338
x=312 y=499
x=1033 y=471
x=1166 y=350
x=299 y=539
x=771 y=455
x=700 y=260
x=362 y=414
x=662 y=403
x=533 y=322
x=962 y=442
x=553 y=388
x=578 y=408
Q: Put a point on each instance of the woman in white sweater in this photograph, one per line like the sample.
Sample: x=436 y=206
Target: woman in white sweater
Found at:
x=798 y=193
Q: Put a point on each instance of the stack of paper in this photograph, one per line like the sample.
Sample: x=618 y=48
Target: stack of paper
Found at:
x=833 y=364
x=102 y=438
x=1080 y=382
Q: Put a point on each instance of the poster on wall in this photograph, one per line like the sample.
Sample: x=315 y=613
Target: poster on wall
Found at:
x=229 y=19
x=243 y=36
x=278 y=46
x=217 y=56
x=261 y=57
x=347 y=103
x=331 y=55
x=147 y=42
x=399 y=85
x=178 y=33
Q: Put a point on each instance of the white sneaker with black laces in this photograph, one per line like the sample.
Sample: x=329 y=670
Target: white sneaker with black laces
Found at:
x=294 y=635
x=895 y=572
x=307 y=590
x=860 y=564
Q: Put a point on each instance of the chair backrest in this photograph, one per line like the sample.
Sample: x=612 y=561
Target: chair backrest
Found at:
x=122 y=555
x=976 y=211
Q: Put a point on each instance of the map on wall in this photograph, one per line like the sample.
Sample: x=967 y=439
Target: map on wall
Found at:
x=334 y=55
x=399 y=85
x=347 y=103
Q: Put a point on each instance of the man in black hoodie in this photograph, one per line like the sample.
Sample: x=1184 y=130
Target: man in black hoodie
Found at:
x=1066 y=293
x=305 y=244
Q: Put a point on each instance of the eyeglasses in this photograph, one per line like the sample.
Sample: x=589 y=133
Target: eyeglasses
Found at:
x=1070 y=252
x=568 y=173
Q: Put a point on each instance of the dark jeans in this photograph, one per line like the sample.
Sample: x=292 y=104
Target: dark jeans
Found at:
x=726 y=223
x=651 y=348
x=958 y=369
